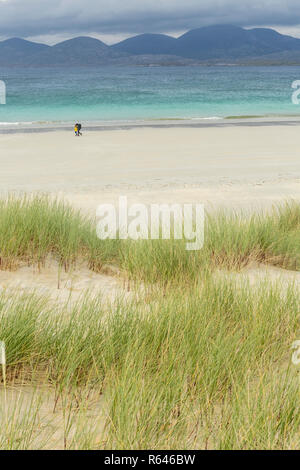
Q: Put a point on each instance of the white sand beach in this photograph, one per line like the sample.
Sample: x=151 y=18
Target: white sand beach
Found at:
x=249 y=166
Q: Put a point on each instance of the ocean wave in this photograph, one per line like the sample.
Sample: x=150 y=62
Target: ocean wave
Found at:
x=207 y=118
x=210 y=118
x=16 y=123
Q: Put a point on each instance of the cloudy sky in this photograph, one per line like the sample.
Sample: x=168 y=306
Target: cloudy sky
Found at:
x=111 y=20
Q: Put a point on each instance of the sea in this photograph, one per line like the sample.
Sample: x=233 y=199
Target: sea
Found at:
x=113 y=94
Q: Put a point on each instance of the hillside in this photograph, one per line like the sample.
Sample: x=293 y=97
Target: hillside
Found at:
x=18 y=51
x=212 y=44
x=77 y=51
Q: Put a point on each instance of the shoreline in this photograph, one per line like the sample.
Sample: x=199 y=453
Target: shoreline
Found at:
x=196 y=123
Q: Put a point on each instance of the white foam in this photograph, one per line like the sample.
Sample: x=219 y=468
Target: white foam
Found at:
x=16 y=123
x=208 y=118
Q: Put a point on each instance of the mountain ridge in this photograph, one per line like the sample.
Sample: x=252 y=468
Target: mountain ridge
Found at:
x=209 y=44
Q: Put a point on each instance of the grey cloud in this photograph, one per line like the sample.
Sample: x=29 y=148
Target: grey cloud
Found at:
x=44 y=17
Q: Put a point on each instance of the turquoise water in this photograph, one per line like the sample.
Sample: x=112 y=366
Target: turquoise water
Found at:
x=134 y=93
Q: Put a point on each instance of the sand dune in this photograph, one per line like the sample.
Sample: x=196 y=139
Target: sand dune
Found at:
x=235 y=167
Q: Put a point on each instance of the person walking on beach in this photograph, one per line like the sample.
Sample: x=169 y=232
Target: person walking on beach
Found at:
x=77 y=129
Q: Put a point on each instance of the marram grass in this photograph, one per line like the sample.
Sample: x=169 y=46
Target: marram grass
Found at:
x=33 y=228
x=191 y=362
x=205 y=367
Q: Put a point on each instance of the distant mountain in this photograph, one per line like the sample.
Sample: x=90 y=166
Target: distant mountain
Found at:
x=211 y=44
x=147 y=44
x=273 y=40
x=77 y=51
x=17 y=51
x=217 y=42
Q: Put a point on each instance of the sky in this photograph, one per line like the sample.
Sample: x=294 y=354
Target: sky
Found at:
x=51 y=21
